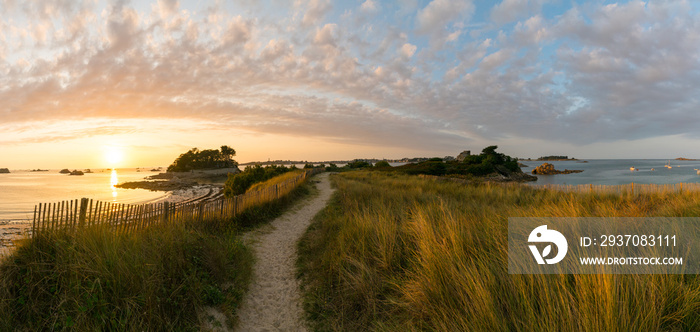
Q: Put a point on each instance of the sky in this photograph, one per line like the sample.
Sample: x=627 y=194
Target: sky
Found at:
x=129 y=84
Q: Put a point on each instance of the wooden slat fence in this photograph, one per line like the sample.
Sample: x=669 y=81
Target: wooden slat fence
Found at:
x=86 y=212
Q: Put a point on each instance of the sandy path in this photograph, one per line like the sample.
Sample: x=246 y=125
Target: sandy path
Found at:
x=273 y=302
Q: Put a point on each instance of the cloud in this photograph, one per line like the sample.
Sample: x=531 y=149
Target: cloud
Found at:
x=370 y=6
x=439 y=13
x=316 y=10
x=407 y=50
x=168 y=7
x=238 y=31
x=512 y=10
x=420 y=77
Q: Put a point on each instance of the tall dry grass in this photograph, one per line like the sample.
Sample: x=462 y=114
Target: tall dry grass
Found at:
x=155 y=279
x=260 y=186
x=394 y=252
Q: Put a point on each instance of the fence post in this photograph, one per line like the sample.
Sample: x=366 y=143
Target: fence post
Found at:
x=166 y=211
x=34 y=222
x=83 y=212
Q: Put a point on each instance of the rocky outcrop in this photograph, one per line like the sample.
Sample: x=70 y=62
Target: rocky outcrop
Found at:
x=4 y=170
x=76 y=172
x=463 y=155
x=548 y=169
x=518 y=176
x=65 y=171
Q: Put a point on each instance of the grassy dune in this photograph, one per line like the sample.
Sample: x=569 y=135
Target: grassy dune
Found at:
x=395 y=252
x=155 y=280
x=276 y=180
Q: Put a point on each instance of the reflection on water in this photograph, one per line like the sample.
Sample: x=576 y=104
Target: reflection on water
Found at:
x=18 y=197
x=113 y=182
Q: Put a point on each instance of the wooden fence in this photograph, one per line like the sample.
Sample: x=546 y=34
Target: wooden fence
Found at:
x=632 y=188
x=123 y=217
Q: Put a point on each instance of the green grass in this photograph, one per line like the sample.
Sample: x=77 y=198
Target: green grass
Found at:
x=396 y=252
x=155 y=280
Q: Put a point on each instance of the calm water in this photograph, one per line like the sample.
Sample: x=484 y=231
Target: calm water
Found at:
x=617 y=171
x=20 y=191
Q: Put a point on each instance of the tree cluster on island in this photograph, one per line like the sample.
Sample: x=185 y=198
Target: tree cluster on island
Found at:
x=196 y=159
x=488 y=162
x=555 y=158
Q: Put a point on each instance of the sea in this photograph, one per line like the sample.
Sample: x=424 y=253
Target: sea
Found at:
x=618 y=171
x=21 y=190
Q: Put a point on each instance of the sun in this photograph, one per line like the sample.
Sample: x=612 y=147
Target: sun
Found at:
x=113 y=155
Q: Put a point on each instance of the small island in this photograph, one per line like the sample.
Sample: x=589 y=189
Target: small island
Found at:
x=4 y=171
x=64 y=171
x=687 y=159
x=555 y=158
x=548 y=169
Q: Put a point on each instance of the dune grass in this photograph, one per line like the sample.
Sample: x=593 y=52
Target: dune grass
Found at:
x=397 y=252
x=157 y=279
x=276 y=180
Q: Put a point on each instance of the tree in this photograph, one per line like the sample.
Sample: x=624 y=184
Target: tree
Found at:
x=203 y=159
x=227 y=154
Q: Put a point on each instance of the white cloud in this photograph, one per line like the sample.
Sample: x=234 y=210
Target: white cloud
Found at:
x=635 y=66
x=439 y=13
x=325 y=35
x=316 y=10
x=168 y=7
x=369 y=6
x=407 y=50
x=509 y=10
x=238 y=31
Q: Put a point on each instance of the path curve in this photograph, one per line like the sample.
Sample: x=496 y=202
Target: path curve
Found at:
x=273 y=302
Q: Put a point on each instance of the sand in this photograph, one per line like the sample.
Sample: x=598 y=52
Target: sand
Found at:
x=11 y=233
x=273 y=302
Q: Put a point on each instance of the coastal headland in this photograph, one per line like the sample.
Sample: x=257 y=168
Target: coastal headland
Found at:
x=170 y=181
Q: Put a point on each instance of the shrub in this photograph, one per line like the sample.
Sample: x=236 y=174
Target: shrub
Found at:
x=358 y=164
x=238 y=183
x=382 y=163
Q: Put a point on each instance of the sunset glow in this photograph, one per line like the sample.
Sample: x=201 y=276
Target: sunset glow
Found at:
x=328 y=80
x=114 y=156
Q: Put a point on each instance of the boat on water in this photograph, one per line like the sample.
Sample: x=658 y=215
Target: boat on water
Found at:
x=668 y=165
